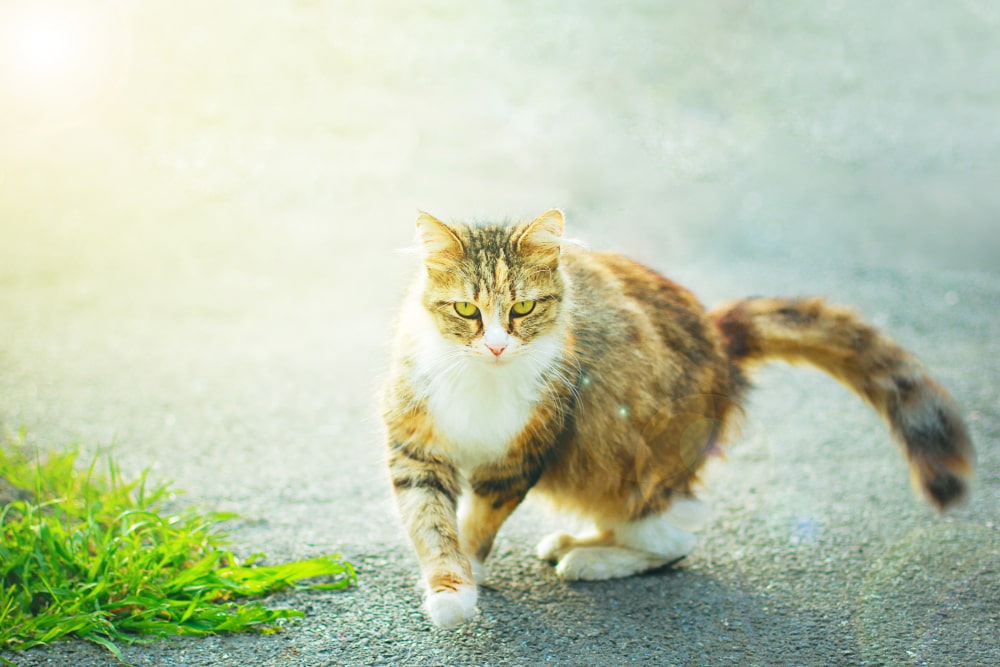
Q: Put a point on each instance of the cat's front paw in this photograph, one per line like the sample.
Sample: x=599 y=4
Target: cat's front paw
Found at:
x=449 y=609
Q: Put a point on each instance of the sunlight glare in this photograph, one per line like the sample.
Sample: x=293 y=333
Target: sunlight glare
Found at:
x=51 y=53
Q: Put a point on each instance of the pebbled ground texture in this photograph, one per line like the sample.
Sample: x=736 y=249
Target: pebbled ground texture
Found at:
x=199 y=224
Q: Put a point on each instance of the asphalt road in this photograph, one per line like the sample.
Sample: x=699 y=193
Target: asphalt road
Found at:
x=199 y=219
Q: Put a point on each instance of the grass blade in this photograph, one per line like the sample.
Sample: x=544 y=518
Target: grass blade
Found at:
x=101 y=558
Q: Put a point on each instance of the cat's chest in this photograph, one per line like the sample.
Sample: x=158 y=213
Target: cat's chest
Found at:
x=478 y=411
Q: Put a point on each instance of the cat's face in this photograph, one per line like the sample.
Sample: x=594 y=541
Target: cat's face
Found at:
x=493 y=289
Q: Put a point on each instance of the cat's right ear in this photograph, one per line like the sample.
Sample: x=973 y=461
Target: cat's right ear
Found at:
x=439 y=244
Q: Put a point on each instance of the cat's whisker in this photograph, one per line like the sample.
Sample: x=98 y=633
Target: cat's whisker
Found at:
x=584 y=402
x=447 y=371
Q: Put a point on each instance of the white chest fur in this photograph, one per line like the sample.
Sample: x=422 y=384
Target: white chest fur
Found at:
x=480 y=409
x=478 y=406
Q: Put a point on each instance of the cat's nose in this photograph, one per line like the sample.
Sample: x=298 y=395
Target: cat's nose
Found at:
x=497 y=348
x=496 y=338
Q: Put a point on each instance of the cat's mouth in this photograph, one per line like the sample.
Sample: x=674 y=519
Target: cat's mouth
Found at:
x=501 y=360
x=497 y=360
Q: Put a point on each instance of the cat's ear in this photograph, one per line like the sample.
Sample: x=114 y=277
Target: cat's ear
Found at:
x=439 y=244
x=541 y=240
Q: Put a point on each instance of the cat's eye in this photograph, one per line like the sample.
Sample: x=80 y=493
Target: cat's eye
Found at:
x=522 y=308
x=466 y=309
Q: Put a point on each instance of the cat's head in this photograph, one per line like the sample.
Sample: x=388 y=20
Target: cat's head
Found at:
x=493 y=289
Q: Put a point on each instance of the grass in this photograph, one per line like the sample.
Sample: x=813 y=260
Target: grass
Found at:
x=87 y=554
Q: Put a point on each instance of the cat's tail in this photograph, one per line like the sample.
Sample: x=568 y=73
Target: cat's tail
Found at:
x=922 y=415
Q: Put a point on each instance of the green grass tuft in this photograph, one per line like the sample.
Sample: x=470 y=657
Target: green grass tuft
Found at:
x=90 y=555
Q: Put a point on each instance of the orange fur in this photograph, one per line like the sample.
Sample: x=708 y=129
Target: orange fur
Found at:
x=922 y=415
x=606 y=398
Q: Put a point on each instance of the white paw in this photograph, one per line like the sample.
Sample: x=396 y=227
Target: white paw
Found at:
x=449 y=609
x=599 y=563
x=659 y=535
x=553 y=547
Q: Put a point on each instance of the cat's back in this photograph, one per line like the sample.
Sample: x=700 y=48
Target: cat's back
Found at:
x=620 y=303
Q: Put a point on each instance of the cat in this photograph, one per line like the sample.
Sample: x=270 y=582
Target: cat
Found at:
x=523 y=362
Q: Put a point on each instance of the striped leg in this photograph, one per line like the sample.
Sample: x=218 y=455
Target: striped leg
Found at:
x=480 y=519
x=427 y=491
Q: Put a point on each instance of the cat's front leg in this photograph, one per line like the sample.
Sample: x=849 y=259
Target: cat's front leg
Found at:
x=427 y=490
x=480 y=518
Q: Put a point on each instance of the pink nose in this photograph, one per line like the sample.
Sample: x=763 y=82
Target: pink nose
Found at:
x=497 y=349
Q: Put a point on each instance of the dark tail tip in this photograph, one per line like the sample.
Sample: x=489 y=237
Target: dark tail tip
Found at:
x=945 y=490
x=944 y=485
x=937 y=444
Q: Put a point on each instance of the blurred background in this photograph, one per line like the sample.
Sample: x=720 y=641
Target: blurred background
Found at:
x=201 y=205
x=201 y=202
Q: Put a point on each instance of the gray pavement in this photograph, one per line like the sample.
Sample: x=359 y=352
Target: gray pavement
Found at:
x=198 y=230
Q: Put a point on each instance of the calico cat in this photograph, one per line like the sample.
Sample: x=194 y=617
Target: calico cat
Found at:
x=526 y=363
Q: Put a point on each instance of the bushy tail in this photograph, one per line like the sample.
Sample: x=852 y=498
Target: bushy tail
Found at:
x=922 y=415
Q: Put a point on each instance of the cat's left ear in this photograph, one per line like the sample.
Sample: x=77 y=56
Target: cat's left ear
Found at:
x=541 y=240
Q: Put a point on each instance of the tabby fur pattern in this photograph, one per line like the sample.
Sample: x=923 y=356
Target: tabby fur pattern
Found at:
x=606 y=398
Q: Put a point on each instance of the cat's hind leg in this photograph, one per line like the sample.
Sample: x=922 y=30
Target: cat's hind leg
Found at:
x=553 y=547
x=642 y=545
x=626 y=548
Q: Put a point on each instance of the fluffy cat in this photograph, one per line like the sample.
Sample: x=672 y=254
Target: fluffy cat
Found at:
x=525 y=363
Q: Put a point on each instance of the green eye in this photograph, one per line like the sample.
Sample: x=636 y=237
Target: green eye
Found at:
x=466 y=309
x=522 y=308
